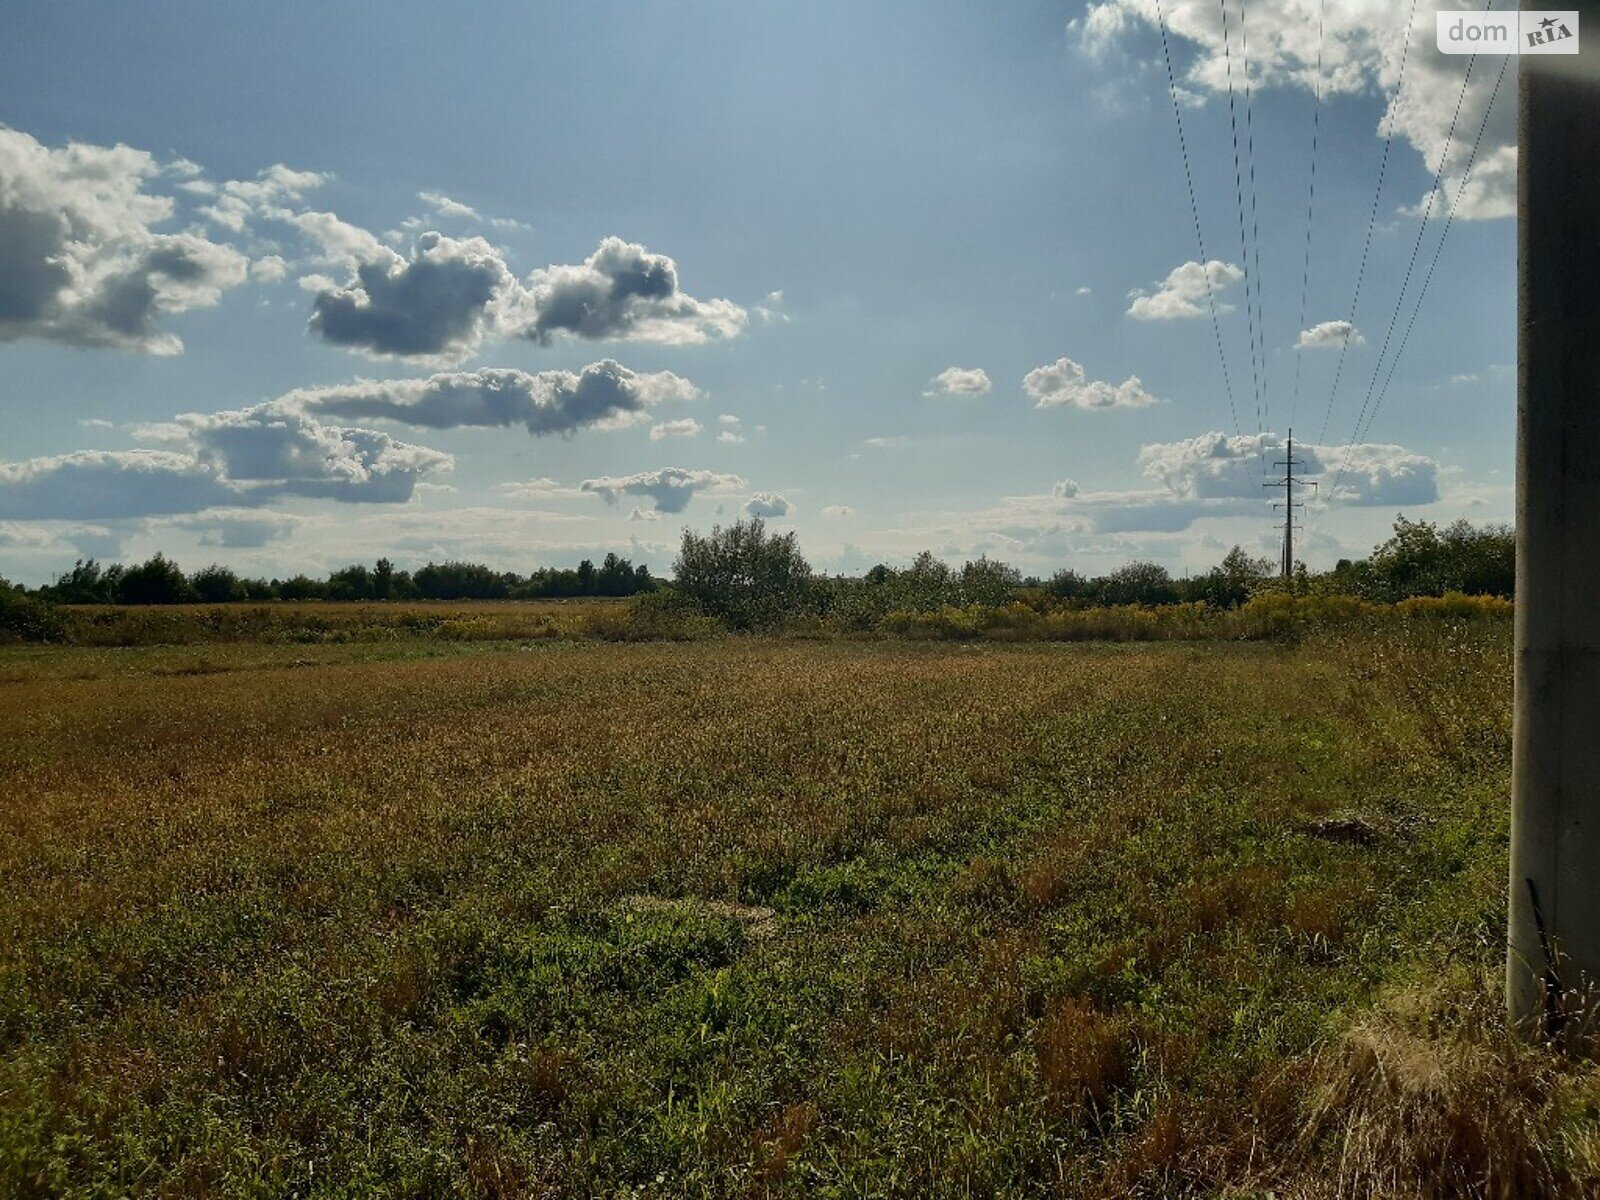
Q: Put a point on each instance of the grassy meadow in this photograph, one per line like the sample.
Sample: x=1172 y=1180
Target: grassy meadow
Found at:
x=311 y=621
x=501 y=914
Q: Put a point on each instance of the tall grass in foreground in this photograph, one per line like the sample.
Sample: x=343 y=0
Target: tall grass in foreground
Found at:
x=749 y=917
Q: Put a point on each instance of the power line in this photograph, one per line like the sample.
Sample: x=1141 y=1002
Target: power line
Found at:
x=1466 y=178
x=1255 y=225
x=1311 y=204
x=1450 y=217
x=1238 y=190
x=1372 y=220
x=1416 y=246
x=1194 y=208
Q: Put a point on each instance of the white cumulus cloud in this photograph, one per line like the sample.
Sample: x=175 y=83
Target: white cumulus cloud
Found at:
x=241 y=458
x=1362 y=48
x=1330 y=333
x=1064 y=383
x=1219 y=466
x=237 y=203
x=622 y=291
x=1183 y=295
x=440 y=302
x=605 y=395
x=81 y=258
x=960 y=381
x=682 y=427
x=768 y=504
x=435 y=305
x=669 y=488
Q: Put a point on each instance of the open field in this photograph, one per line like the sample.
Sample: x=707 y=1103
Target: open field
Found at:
x=764 y=917
x=659 y=617
x=326 y=621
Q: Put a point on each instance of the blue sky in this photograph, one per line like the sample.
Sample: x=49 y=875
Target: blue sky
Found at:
x=391 y=237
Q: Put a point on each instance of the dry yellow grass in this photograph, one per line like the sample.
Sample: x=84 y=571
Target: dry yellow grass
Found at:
x=312 y=621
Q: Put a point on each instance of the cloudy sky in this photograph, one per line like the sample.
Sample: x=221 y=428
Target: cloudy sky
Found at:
x=527 y=283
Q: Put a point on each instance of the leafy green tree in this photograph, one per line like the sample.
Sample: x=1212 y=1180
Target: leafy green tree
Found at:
x=927 y=573
x=616 y=577
x=354 y=582
x=217 y=585
x=1482 y=561
x=928 y=583
x=462 y=581
x=86 y=583
x=744 y=576
x=985 y=581
x=588 y=578
x=157 y=580
x=1067 y=585
x=1231 y=582
x=300 y=587
x=1136 y=583
x=1419 y=559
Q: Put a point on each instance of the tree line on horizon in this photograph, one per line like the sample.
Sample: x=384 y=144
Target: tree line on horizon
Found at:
x=160 y=580
x=750 y=578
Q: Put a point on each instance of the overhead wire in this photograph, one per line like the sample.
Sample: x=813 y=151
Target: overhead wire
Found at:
x=1238 y=187
x=1416 y=245
x=1194 y=208
x=1311 y=205
x=1260 y=348
x=1372 y=220
x=1364 y=427
x=1450 y=217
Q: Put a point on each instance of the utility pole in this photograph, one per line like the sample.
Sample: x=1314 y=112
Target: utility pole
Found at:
x=1288 y=483
x=1553 y=960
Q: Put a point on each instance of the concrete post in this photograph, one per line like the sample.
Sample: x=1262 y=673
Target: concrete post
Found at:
x=1553 y=961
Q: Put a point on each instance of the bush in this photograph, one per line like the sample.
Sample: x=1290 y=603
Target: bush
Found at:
x=1019 y=622
x=658 y=616
x=985 y=581
x=744 y=577
x=1455 y=605
x=927 y=585
x=1067 y=584
x=1136 y=583
x=25 y=619
x=1229 y=584
x=1420 y=559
